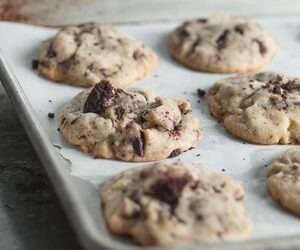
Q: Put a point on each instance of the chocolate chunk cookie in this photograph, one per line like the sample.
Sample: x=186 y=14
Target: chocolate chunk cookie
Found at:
x=261 y=108
x=181 y=203
x=83 y=55
x=283 y=180
x=221 y=44
x=131 y=124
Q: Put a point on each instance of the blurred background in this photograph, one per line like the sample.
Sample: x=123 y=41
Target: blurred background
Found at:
x=62 y=12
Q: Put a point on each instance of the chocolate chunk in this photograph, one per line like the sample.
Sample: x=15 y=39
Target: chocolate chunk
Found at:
x=51 y=53
x=175 y=153
x=201 y=93
x=51 y=115
x=138 y=55
x=183 y=33
x=201 y=20
x=35 y=64
x=239 y=29
x=119 y=111
x=138 y=144
x=222 y=39
x=91 y=67
x=169 y=188
x=262 y=47
x=98 y=99
x=290 y=85
x=277 y=90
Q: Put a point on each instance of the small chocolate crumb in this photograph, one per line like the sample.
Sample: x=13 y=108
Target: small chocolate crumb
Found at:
x=175 y=153
x=51 y=115
x=51 y=53
x=49 y=100
x=138 y=144
x=262 y=47
x=201 y=20
x=138 y=55
x=223 y=170
x=119 y=111
x=35 y=64
x=222 y=39
x=239 y=29
x=201 y=93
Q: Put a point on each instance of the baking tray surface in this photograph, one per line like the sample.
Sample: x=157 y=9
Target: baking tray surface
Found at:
x=217 y=149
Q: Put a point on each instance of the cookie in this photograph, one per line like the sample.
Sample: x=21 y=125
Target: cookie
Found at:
x=261 y=108
x=175 y=204
x=221 y=44
x=85 y=54
x=130 y=125
x=283 y=180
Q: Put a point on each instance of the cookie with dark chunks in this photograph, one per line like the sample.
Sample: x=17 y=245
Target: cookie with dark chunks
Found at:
x=261 y=108
x=221 y=44
x=283 y=180
x=85 y=54
x=131 y=124
x=175 y=204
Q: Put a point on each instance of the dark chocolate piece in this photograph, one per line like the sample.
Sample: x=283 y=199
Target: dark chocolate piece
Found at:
x=98 y=99
x=51 y=115
x=222 y=40
x=138 y=144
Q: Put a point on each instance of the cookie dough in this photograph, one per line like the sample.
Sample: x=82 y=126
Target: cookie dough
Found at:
x=174 y=204
x=131 y=124
x=283 y=180
x=222 y=44
x=261 y=108
x=85 y=54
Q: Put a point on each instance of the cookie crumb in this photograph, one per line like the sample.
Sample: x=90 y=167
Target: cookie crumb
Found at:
x=34 y=64
x=201 y=93
x=51 y=115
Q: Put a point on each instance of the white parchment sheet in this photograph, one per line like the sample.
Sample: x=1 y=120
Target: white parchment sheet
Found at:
x=218 y=150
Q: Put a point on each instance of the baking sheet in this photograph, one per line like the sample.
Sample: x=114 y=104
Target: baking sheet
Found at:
x=218 y=150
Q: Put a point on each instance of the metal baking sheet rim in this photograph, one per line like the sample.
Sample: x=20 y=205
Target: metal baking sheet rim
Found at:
x=82 y=223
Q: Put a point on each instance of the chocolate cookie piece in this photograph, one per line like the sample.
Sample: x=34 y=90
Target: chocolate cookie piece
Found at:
x=259 y=108
x=85 y=54
x=173 y=204
x=128 y=124
x=222 y=44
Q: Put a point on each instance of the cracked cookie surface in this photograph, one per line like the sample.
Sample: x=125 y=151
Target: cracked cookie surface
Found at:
x=261 y=108
x=85 y=54
x=173 y=204
x=283 y=180
x=128 y=124
x=222 y=44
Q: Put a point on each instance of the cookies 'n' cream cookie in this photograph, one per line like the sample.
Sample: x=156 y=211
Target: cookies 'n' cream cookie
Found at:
x=221 y=44
x=283 y=180
x=261 y=108
x=83 y=55
x=180 y=203
x=128 y=124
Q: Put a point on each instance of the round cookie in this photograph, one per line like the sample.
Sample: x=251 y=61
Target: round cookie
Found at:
x=85 y=54
x=283 y=180
x=175 y=204
x=131 y=124
x=221 y=44
x=261 y=108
